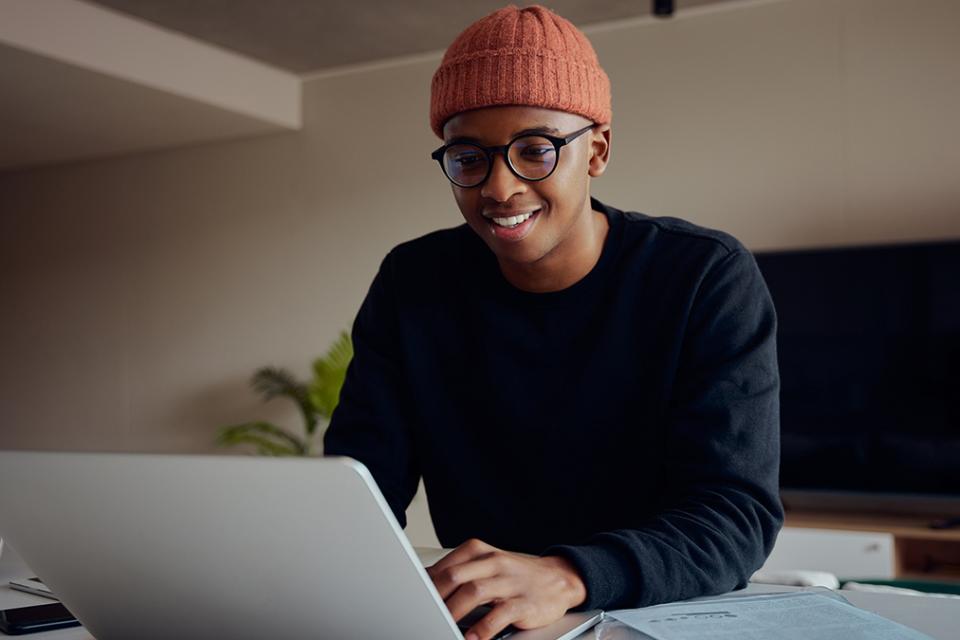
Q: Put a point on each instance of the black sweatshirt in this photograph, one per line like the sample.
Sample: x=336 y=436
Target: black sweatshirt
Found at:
x=629 y=422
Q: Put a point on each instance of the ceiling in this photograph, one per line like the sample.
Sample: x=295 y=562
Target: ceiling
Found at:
x=306 y=36
x=92 y=79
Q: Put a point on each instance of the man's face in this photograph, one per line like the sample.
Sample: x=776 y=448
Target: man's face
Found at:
x=561 y=201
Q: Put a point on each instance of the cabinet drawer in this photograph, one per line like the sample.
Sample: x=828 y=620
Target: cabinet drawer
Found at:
x=846 y=554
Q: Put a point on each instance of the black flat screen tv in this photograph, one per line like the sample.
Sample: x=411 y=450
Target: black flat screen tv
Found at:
x=869 y=352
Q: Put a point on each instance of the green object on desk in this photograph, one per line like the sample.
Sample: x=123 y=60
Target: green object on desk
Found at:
x=925 y=586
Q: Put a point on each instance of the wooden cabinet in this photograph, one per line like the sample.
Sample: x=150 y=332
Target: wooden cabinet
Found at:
x=918 y=553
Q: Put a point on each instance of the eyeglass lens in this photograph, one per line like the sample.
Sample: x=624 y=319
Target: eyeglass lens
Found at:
x=533 y=157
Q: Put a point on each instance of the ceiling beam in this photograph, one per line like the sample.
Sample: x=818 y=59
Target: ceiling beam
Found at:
x=100 y=40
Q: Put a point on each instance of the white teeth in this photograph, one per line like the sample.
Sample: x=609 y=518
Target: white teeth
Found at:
x=513 y=221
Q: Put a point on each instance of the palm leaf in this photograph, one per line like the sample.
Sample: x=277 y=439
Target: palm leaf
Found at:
x=274 y=382
x=316 y=399
x=329 y=372
x=268 y=438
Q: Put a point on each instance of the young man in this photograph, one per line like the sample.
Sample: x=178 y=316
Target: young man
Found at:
x=590 y=396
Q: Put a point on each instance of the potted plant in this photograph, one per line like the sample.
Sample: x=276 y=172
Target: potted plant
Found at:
x=316 y=399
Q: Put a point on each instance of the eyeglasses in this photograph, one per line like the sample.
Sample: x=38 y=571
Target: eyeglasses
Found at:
x=531 y=157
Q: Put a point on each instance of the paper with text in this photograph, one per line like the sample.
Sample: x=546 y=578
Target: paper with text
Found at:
x=797 y=615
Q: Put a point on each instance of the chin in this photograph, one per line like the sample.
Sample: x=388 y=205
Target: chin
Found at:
x=526 y=255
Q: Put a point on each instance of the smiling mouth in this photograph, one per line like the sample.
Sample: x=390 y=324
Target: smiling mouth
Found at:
x=510 y=222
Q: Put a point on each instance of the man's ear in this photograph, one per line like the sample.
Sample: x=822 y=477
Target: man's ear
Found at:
x=599 y=150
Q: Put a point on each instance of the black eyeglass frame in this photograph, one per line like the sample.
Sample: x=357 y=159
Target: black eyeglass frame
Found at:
x=504 y=149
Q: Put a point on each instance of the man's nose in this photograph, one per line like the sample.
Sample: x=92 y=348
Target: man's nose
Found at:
x=501 y=184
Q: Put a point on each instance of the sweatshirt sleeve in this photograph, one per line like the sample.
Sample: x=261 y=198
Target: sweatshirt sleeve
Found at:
x=371 y=421
x=722 y=511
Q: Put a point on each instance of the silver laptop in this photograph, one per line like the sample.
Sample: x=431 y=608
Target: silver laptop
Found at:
x=164 y=546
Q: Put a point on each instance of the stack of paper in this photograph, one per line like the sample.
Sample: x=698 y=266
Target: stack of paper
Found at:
x=796 y=615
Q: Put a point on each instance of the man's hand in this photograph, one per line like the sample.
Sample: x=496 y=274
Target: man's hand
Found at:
x=525 y=591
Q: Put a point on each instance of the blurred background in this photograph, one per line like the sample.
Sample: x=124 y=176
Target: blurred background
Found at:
x=193 y=189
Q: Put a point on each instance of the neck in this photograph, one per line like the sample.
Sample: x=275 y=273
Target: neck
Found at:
x=566 y=264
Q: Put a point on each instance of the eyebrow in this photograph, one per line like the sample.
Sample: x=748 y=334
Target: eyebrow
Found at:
x=542 y=128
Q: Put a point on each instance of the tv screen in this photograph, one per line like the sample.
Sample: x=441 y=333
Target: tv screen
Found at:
x=869 y=353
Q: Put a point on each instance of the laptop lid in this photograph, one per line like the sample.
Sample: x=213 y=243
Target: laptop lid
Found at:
x=159 y=546
x=163 y=546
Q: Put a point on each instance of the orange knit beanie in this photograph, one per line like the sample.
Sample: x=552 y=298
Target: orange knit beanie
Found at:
x=516 y=56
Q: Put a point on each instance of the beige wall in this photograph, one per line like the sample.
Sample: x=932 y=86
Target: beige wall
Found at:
x=139 y=293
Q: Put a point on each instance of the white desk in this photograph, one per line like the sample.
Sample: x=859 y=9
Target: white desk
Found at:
x=937 y=617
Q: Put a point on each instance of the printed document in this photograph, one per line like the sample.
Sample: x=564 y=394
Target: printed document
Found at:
x=796 y=615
